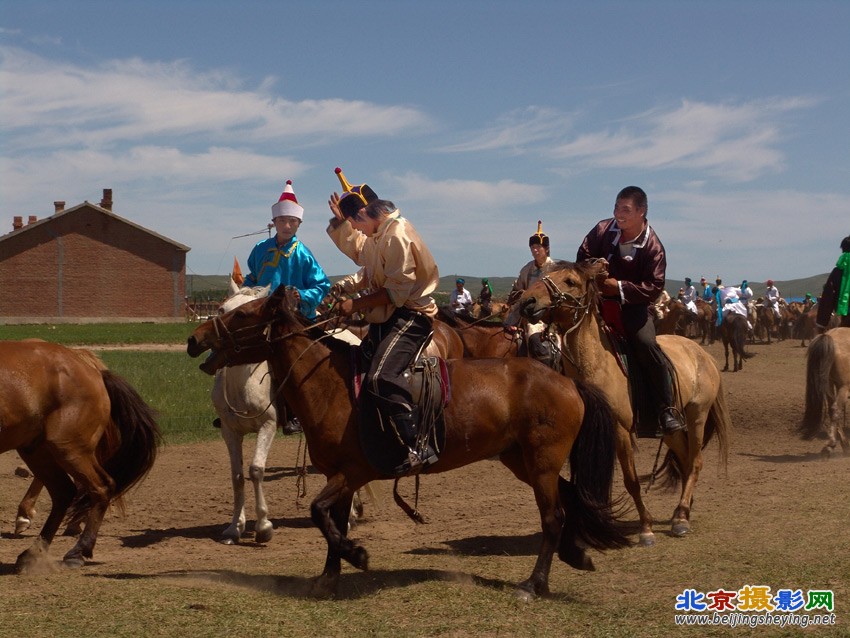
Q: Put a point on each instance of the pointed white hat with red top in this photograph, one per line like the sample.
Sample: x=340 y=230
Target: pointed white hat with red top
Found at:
x=287 y=205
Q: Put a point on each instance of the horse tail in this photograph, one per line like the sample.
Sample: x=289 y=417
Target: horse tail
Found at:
x=586 y=497
x=718 y=424
x=819 y=360
x=127 y=454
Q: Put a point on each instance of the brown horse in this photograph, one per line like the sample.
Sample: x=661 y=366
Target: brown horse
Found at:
x=705 y=321
x=733 y=331
x=827 y=388
x=766 y=322
x=569 y=298
x=516 y=409
x=81 y=429
x=482 y=339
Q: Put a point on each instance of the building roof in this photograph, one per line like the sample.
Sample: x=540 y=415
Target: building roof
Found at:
x=99 y=209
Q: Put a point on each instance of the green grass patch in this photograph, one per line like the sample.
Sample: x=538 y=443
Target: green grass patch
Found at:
x=72 y=334
x=171 y=383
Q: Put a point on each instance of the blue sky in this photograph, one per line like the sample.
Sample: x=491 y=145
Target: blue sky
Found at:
x=475 y=118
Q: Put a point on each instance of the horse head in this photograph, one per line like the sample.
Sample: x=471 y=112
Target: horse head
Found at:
x=562 y=296
x=243 y=335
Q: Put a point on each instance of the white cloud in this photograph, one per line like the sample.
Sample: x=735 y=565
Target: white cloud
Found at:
x=516 y=131
x=735 y=142
x=49 y=103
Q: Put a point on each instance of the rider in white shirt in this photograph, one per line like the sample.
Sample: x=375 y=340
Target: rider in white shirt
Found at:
x=735 y=299
x=689 y=298
x=460 y=300
x=771 y=298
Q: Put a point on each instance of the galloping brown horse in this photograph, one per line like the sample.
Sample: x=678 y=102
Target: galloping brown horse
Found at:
x=73 y=422
x=827 y=388
x=516 y=409
x=568 y=297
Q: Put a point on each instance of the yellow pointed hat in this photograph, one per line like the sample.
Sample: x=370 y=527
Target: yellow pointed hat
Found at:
x=353 y=198
x=539 y=237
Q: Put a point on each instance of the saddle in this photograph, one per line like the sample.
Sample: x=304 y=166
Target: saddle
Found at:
x=644 y=408
x=430 y=389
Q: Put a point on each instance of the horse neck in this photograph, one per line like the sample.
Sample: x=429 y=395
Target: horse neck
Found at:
x=302 y=368
x=590 y=348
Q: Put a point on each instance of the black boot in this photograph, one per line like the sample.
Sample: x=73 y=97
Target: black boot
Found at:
x=407 y=426
x=293 y=426
x=671 y=421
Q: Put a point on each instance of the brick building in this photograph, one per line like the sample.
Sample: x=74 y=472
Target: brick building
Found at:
x=87 y=263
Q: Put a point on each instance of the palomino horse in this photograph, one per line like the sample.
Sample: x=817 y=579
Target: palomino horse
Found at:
x=733 y=331
x=73 y=421
x=827 y=388
x=569 y=297
x=516 y=409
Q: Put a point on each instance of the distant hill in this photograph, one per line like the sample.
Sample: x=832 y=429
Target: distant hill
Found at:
x=214 y=286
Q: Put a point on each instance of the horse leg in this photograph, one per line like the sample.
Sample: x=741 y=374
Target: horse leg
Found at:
x=841 y=406
x=688 y=448
x=26 y=508
x=726 y=352
x=263 y=528
x=93 y=481
x=552 y=516
x=233 y=533
x=61 y=490
x=329 y=512
x=626 y=456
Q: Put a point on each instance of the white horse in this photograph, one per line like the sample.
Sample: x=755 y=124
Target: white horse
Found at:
x=243 y=397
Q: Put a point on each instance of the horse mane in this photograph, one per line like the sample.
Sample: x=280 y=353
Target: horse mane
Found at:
x=447 y=316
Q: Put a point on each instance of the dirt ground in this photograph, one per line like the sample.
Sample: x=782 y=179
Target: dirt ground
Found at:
x=771 y=518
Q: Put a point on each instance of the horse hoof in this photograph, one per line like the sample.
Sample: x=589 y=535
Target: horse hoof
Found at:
x=264 y=535
x=646 y=539
x=359 y=558
x=74 y=561
x=323 y=587
x=680 y=528
x=523 y=595
x=227 y=540
x=22 y=524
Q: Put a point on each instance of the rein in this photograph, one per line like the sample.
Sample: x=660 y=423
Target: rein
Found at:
x=231 y=338
x=579 y=306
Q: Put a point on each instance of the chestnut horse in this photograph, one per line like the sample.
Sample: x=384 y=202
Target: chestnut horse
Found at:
x=82 y=430
x=827 y=388
x=568 y=297
x=481 y=339
x=517 y=409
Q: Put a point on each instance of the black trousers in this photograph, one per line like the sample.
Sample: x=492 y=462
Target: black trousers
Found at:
x=640 y=331
x=393 y=346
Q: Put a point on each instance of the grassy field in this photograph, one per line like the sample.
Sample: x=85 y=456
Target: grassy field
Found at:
x=168 y=381
x=101 y=333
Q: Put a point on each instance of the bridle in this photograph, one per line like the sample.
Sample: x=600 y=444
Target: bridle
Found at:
x=580 y=306
x=247 y=341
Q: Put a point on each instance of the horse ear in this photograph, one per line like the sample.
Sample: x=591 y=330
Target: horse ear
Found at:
x=594 y=267
x=234 y=288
